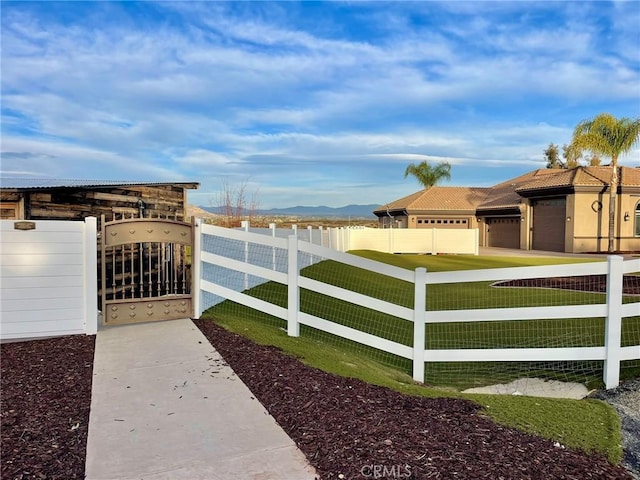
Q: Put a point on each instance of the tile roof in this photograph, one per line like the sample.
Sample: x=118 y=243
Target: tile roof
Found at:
x=581 y=176
x=509 y=194
x=36 y=183
x=439 y=198
x=630 y=177
x=504 y=195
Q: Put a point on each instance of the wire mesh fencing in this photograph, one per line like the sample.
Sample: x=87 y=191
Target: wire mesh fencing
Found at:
x=481 y=326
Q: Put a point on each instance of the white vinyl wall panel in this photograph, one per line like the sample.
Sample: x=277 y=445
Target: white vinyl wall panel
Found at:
x=48 y=279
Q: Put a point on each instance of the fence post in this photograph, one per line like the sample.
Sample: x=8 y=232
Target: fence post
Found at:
x=613 y=328
x=272 y=226
x=293 y=294
x=91 y=276
x=419 y=317
x=321 y=236
x=310 y=230
x=196 y=266
x=245 y=226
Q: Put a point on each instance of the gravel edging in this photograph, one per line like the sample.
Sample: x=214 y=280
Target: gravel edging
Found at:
x=626 y=400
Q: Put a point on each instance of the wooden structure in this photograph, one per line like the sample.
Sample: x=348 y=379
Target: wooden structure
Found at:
x=130 y=267
x=29 y=199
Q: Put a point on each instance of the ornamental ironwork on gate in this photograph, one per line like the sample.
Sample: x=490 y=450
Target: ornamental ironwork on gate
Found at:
x=145 y=270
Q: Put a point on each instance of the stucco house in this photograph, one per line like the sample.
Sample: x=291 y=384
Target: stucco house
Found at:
x=546 y=209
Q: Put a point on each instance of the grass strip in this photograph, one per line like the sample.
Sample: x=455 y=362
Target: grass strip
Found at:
x=590 y=425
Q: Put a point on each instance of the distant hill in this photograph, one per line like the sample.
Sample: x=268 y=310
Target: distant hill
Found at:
x=193 y=211
x=348 y=211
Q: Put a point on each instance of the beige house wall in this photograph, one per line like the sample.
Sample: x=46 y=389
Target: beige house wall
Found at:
x=590 y=222
x=525 y=225
x=482 y=231
x=472 y=221
x=395 y=221
x=586 y=228
x=627 y=206
x=411 y=221
x=572 y=222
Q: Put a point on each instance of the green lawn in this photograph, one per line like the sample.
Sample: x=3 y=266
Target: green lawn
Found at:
x=590 y=425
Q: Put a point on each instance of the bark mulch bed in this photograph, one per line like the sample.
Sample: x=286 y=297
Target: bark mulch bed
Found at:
x=347 y=427
x=46 y=398
x=584 y=283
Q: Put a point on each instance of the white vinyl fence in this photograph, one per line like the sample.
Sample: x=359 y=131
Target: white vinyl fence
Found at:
x=387 y=240
x=48 y=278
x=406 y=240
x=227 y=262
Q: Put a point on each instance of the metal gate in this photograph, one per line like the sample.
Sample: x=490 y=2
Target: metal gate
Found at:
x=145 y=270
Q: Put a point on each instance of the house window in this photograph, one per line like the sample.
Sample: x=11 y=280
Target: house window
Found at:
x=637 y=220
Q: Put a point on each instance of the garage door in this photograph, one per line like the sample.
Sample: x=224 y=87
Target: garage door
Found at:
x=504 y=232
x=549 y=223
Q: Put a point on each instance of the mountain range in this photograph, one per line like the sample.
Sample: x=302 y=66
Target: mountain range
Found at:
x=348 y=211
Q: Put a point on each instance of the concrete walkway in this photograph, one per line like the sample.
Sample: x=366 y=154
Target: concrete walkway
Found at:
x=166 y=406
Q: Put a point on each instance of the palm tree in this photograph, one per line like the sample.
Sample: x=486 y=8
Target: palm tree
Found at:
x=608 y=136
x=428 y=175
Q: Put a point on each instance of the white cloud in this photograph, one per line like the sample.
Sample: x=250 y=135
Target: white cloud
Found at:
x=231 y=89
x=54 y=159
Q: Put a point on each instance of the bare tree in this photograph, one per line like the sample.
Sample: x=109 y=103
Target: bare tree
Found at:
x=254 y=205
x=233 y=203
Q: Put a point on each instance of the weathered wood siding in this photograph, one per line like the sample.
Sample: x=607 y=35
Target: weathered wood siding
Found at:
x=77 y=203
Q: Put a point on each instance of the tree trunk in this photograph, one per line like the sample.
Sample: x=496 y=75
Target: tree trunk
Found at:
x=613 y=189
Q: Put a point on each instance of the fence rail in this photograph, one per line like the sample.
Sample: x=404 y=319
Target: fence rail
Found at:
x=294 y=254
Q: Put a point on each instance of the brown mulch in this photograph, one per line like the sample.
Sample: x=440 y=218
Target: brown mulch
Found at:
x=348 y=428
x=46 y=398
x=583 y=283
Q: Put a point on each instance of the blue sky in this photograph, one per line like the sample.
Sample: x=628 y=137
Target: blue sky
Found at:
x=307 y=103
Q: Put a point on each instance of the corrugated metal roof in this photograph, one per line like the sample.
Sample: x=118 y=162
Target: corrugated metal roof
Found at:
x=38 y=183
